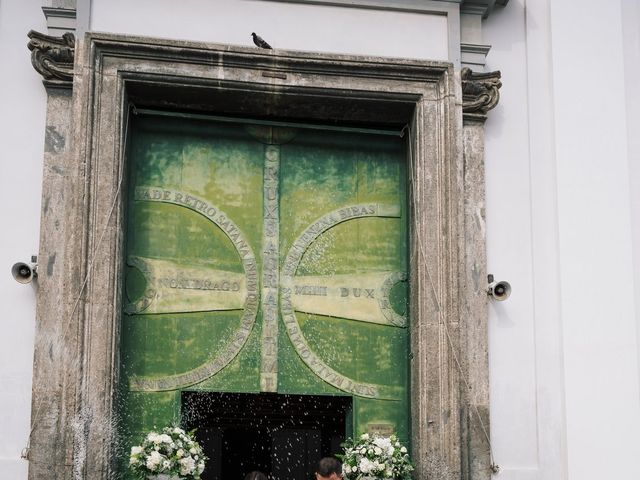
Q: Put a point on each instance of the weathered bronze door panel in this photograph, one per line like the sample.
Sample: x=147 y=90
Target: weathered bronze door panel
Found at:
x=264 y=259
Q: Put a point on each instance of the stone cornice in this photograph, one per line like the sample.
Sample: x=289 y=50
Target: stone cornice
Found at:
x=59 y=12
x=480 y=93
x=481 y=7
x=477 y=7
x=473 y=55
x=52 y=57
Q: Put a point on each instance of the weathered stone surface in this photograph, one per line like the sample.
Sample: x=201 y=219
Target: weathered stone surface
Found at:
x=474 y=309
x=76 y=393
x=52 y=57
x=55 y=361
x=480 y=92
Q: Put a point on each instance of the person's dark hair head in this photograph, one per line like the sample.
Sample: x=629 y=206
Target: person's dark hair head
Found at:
x=255 y=475
x=329 y=465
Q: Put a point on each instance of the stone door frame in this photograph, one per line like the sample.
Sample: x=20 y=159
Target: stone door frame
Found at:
x=82 y=228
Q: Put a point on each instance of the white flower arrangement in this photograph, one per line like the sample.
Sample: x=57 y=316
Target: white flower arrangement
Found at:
x=173 y=453
x=375 y=457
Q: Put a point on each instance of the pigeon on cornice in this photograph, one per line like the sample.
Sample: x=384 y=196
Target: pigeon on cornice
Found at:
x=259 y=41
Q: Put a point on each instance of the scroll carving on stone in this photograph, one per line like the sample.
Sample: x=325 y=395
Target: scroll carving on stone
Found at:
x=480 y=91
x=52 y=57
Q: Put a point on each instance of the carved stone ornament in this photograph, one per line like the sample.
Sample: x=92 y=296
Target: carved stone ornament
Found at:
x=52 y=57
x=479 y=92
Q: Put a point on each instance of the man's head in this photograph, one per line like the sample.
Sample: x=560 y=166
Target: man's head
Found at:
x=329 y=468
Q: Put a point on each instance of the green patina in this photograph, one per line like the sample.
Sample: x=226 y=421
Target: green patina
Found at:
x=221 y=166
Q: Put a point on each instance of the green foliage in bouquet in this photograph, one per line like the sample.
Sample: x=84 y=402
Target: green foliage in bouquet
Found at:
x=173 y=452
x=375 y=457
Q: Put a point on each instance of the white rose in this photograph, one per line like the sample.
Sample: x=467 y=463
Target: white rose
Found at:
x=364 y=436
x=187 y=465
x=403 y=450
x=193 y=450
x=365 y=465
x=164 y=438
x=378 y=450
x=136 y=450
x=347 y=469
x=153 y=460
x=382 y=442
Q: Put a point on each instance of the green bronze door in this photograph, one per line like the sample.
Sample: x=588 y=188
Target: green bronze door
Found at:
x=264 y=259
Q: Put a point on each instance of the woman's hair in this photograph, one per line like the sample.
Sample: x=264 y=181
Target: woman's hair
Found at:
x=255 y=475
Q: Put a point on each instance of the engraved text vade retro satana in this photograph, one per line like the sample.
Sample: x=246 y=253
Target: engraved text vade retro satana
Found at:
x=264 y=259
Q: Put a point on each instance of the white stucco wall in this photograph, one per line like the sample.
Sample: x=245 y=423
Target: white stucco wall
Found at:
x=563 y=205
x=512 y=347
x=564 y=365
x=600 y=347
x=526 y=364
x=631 y=48
x=284 y=25
x=22 y=118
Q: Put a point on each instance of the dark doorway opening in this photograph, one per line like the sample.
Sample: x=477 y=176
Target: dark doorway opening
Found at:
x=283 y=436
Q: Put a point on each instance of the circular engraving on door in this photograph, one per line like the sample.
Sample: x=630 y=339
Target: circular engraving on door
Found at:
x=365 y=306
x=248 y=284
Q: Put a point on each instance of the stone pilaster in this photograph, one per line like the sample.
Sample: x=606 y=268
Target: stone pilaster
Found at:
x=50 y=451
x=479 y=95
